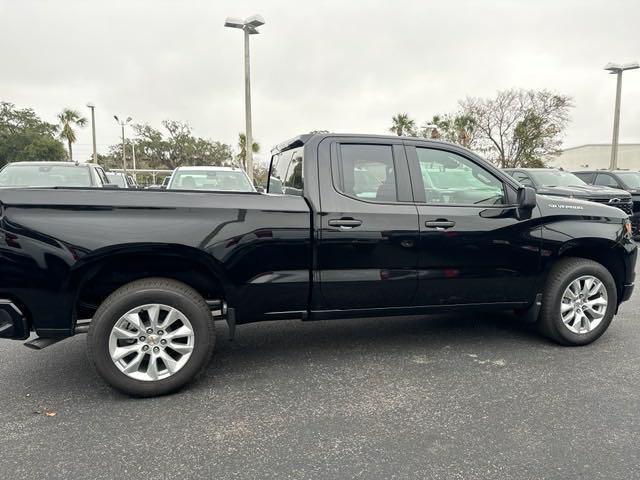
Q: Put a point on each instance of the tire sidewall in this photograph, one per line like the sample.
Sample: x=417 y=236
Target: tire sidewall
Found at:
x=558 y=325
x=106 y=318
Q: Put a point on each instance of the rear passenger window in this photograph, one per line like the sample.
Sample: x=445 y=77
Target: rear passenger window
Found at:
x=286 y=173
x=366 y=172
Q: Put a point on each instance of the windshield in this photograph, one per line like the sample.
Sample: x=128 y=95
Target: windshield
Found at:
x=17 y=175
x=555 y=178
x=117 y=180
x=631 y=179
x=220 y=180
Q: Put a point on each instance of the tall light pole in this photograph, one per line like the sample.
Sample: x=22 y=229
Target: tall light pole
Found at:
x=133 y=158
x=122 y=124
x=93 y=130
x=617 y=70
x=249 y=27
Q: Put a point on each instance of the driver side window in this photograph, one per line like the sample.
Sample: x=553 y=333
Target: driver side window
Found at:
x=450 y=178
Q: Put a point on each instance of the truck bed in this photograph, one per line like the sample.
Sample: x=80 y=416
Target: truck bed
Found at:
x=258 y=243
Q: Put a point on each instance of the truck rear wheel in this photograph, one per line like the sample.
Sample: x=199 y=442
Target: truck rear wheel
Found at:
x=151 y=337
x=578 y=303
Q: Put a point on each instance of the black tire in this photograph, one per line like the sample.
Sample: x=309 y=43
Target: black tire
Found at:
x=561 y=275
x=142 y=292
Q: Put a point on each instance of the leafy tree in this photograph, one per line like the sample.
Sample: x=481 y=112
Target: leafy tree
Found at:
x=401 y=125
x=114 y=158
x=172 y=147
x=242 y=150
x=260 y=172
x=67 y=120
x=25 y=137
x=519 y=128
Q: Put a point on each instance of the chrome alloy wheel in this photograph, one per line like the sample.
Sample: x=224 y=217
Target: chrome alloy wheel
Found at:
x=584 y=304
x=151 y=342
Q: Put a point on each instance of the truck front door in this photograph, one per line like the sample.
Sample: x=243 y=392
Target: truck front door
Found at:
x=368 y=238
x=474 y=248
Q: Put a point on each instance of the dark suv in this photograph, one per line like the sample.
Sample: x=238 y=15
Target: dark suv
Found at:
x=558 y=183
x=627 y=180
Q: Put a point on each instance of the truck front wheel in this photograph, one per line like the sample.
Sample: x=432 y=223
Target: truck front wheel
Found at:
x=578 y=303
x=151 y=337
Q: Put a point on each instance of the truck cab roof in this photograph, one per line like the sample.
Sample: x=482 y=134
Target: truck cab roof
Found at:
x=301 y=140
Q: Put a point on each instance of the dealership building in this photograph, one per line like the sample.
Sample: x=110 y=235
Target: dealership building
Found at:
x=596 y=156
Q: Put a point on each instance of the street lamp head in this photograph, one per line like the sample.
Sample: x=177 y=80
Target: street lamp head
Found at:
x=233 y=22
x=128 y=119
x=117 y=119
x=254 y=21
x=250 y=24
x=617 y=68
x=91 y=105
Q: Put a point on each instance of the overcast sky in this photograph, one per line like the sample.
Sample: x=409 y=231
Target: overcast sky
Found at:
x=344 y=66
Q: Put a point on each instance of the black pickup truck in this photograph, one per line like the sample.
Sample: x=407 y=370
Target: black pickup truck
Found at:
x=360 y=226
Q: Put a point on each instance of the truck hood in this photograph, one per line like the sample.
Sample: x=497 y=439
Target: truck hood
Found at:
x=553 y=205
x=584 y=191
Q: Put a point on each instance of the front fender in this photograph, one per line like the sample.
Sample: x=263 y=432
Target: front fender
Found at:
x=602 y=239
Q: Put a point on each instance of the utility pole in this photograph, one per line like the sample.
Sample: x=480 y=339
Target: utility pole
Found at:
x=93 y=130
x=249 y=27
x=617 y=70
x=122 y=123
x=133 y=156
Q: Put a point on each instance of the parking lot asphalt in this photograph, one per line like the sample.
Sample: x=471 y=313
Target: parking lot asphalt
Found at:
x=460 y=396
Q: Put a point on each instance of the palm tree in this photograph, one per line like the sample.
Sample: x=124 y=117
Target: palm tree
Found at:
x=465 y=127
x=242 y=146
x=403 y=125
x=67 y=119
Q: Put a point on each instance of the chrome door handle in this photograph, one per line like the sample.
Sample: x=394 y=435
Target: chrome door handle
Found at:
x=345 y=223
x=439 y=224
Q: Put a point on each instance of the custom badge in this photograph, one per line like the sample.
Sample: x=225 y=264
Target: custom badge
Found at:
x=560 y=205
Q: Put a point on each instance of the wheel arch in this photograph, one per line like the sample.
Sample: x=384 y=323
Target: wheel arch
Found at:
x=98 y=275
x=604 y=251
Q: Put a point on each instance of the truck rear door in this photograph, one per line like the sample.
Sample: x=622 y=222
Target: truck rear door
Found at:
x=367 y=243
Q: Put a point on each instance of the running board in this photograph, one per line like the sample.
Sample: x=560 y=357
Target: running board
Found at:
x=40 y=343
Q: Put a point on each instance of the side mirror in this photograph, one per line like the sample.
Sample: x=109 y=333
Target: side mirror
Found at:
x=526 y=198
x=259 y=189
